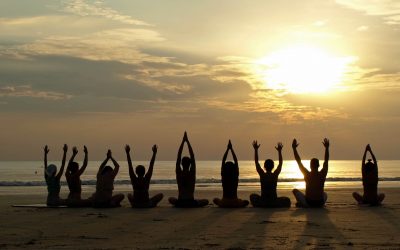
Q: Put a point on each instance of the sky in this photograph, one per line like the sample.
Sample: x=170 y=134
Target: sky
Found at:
x=109 y=73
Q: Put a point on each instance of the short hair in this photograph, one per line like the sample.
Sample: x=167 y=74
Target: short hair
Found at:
x=140 y=170
x=269 y=165
x=106 y=169
x=73 y=167
x=314 y=163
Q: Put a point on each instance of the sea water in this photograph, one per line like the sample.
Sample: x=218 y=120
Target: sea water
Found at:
x=28 y=176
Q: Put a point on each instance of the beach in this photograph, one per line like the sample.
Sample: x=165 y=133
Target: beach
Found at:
x=341 y=224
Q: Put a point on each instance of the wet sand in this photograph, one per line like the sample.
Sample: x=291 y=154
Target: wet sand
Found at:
x=341 y=224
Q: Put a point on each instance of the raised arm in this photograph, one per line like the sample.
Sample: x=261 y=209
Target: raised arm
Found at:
x=179 y=157
x=103 y=164
x=46 y=151
x=258 y=167
x=85 y=161
x=297 y=157
x=364 y=156
x=128 y=158
x=225 y=156
x=373 y=156
x=326 y=158
x=279 y=147
x=116 y=165
x=153 y=159
x=74 y=153
x=60 y=173
x=193 y=163
x=235 y=160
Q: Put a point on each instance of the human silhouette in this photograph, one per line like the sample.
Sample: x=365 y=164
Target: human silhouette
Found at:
x=53 y=179
x=103 y=197
x=141 y=183
x=230 y=180
x=315 y=180
x=370 y=181
x=268 y=181
x=73 y=176
x=186 y=179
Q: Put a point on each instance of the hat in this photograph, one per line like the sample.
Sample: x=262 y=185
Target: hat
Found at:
x=51 y=170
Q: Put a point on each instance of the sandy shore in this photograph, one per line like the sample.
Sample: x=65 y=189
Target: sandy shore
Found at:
x=342 y=224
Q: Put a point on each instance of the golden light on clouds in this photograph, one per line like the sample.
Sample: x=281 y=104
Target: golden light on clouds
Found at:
x=304 y=69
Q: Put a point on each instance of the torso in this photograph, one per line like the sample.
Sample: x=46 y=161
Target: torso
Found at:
x=104 y=187
x=230 y=181
x=186 y=184
x=140 y=190
x=268 y=186
x=315 y=182
x=74 y=185
x=370 y=183
x=53 y=189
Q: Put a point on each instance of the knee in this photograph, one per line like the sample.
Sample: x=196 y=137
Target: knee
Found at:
x=286 y=202
x=172 y=200
x=381 y=197
x=295 y=191
x=254 y=197
x=203 y=202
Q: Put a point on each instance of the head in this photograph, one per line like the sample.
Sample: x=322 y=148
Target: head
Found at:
x=51 y=170
x=269 y=165
x=186 y=162
x=314 y=164
x=369 y=166
x=229 y=169
x=106 y=170
x=140 y=170
x=73 y=167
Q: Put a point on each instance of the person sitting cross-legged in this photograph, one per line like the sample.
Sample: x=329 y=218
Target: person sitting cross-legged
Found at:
x=268 y=181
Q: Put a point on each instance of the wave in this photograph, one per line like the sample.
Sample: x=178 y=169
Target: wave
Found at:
x=198 y=181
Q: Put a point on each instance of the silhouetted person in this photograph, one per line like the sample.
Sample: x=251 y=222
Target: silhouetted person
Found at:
x=315 y=181
x=103 y=197
x=230 y=180
x=269 y=181
x=73 y=176
x=370 y=181
x=186 y=179
x=141 y=183
x=53 y=179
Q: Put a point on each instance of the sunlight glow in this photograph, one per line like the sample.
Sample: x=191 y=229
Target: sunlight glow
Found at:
x=303 y=69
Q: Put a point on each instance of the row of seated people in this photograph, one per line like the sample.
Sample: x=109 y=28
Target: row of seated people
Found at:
x=186 y=178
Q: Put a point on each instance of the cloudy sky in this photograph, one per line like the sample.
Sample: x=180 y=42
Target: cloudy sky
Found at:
x=107 y=73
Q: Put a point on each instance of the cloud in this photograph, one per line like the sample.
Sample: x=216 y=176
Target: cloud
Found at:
x=388 y=9
x=98 y=9
x=109 y=45
x=27 y=91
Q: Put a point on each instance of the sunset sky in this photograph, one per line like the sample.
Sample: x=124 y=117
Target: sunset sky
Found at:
x=107 y=73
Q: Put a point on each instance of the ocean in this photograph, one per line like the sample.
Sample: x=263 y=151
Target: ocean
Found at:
x=27 y=176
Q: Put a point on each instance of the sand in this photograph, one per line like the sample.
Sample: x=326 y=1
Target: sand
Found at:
x=342 y=224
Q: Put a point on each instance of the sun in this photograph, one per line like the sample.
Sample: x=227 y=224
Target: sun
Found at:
x=303 y=69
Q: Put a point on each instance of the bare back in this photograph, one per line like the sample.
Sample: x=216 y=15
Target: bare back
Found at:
x=315 y=182
x=186 y=184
